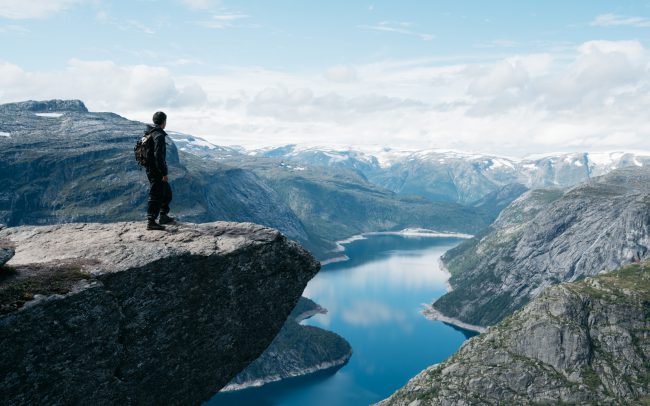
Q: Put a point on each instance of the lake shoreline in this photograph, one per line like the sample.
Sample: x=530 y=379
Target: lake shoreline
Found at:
x=407 y=232
x=322 y=367
x=432 y=314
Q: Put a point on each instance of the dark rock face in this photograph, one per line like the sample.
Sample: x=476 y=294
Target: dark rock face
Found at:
x=49 y=106
x=296 y=351
x=547 y=237
x=583 y=343
x=5 y=254
x=140 y=317
x=6 y=249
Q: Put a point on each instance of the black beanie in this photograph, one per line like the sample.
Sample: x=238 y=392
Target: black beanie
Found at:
x=159 y=118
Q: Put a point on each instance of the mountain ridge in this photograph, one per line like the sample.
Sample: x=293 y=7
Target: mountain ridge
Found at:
x=579 y=343
x=545 y=237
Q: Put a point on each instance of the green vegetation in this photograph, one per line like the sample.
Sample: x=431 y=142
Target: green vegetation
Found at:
x=619 y=285
x=20 y=285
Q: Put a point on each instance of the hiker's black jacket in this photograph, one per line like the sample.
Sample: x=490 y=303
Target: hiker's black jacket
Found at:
x=158 y=166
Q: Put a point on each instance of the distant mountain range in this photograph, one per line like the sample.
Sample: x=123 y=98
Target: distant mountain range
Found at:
x=444 y=175
x=61 y=163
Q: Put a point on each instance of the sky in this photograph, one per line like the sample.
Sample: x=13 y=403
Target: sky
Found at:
x=502 y=77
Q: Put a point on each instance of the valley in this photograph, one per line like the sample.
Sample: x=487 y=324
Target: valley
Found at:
x=539 y=227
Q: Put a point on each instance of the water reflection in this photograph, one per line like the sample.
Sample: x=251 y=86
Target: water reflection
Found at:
x=374 y=301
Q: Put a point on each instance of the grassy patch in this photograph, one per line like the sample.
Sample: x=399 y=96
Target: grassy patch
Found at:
x=20 y=285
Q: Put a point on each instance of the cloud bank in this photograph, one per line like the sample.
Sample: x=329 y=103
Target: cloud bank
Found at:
x=26 y=9
x=592 y=97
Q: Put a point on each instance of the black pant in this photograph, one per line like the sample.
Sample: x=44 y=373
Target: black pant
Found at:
x=160 y=195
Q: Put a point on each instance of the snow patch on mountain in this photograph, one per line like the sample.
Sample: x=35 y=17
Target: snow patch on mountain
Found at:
x=49 y=115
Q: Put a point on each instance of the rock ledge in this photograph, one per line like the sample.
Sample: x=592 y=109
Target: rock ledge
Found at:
x=115 y=314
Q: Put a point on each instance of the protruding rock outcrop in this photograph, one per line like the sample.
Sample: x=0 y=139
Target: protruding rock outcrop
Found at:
x=114 y=314
x=583 y=343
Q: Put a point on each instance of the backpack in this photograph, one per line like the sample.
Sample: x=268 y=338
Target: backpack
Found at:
x=144 y=150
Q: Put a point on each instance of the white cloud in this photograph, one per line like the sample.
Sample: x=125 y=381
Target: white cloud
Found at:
x=25 y=9
x=398 y=28
x=103 y=85
x=341 y=74
x=229 y=17
x=609 y=20
x=593 y=96
x=221 y=21
x=200 y=4
x=503 y=76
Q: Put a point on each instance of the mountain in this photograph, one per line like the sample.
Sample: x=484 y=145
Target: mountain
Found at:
x=297 y=350
x=337 y=202
x=113 y=314
x=443 y=175
x=580 y=343
x=545 y=237
x=61 y=163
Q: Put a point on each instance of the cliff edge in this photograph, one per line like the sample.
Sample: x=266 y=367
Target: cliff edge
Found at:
x=114 y=314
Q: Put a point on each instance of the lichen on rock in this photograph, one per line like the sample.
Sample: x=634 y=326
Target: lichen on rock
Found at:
x=581 y=343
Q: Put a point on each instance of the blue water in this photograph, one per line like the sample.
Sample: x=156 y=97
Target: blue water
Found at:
x=374 y=301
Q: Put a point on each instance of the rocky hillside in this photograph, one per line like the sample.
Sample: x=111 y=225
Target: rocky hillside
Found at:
x=335 y=203
x=582 y=343
x=296 y=351
x=61 y=163
x=113 y=314
x=546 y=237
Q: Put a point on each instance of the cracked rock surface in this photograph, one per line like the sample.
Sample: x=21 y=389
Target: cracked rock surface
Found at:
x=546 y=237
x=115 y=314
x=582 y=343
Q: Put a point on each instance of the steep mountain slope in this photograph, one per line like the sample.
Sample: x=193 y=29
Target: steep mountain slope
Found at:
x=581 y=343
x=338 y=202
x=73 y=165
x=61 y=163
x=335 y=204
x=102 y=314
x=546 y=237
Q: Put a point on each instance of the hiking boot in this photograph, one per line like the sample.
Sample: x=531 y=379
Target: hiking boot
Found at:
x=152 y=225
x=165 y=219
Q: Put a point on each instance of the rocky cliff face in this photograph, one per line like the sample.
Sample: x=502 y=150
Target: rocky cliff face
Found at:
x=583 y=343
x=547 y=237
x=114 y=314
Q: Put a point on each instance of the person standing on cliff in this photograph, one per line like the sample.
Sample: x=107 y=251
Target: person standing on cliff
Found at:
x=160 y=193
